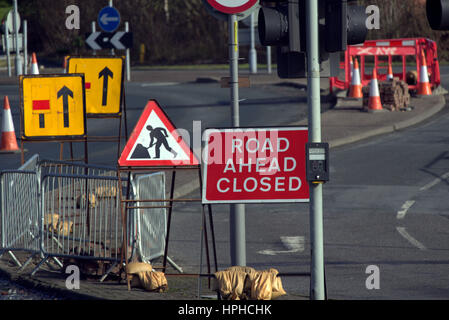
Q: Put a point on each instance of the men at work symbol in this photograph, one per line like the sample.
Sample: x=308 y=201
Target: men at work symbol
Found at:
x=158 y=138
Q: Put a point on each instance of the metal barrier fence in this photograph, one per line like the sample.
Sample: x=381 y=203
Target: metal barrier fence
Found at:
x=19 y=214
x=80 y=218
x=45 y=167
x=150 y=221
x=61 y=209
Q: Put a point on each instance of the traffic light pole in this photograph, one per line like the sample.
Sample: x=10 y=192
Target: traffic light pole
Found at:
x=317 y=291
x=237 y=211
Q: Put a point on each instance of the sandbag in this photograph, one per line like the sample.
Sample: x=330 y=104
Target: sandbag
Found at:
x=265 y=285
x=137 y=267
x=244 y=283
x=231 y=282
x=153 y=281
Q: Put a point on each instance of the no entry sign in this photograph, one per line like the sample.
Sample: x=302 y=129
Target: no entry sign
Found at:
x=232 y=6
x=255 y=165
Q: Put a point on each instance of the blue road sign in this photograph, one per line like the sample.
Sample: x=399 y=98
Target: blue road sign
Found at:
x=109 y=19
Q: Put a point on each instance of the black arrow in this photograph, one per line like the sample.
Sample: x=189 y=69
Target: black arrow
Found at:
x=65 y=93
x=105 y=73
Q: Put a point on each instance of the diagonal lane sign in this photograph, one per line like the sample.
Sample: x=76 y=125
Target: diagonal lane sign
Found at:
x=102 y=40
x=116 y=40
x=91 y=40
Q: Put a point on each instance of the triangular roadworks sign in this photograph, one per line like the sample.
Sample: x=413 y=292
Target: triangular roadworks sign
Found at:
x=155 y=142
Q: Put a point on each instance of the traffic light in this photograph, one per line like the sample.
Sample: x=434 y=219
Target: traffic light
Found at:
x=284 y=25
x=438 y=14
x=345 y=25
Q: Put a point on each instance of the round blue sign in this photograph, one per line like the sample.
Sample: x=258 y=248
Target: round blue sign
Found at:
x=109 y=19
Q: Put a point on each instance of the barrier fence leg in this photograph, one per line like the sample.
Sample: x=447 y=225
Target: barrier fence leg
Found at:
x=170 y=209
x=26 y=263
x=211 y=223
x=44 y=260
x=14 y=258
x=212 y=230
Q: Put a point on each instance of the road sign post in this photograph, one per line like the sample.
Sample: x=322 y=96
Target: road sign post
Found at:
x=316 y=190
x=237 y=214
x=237 y=211
x=18 y=61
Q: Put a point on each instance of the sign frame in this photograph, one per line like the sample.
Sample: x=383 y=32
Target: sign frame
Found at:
x=122 y=86
x=81 y=137
x=205 y=152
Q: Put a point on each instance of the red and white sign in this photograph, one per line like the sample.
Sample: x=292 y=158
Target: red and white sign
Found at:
x=255 y=165
x=232 y=6
x=155 y=142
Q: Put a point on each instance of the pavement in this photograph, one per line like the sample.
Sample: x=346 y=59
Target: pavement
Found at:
x=343 y=124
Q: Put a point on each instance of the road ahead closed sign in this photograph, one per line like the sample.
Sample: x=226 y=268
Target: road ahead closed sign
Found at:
x=255 y=165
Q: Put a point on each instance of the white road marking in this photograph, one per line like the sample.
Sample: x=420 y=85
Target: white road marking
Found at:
x=435 y=182
x=408 y=237
x=405 y=207
x=293 y=244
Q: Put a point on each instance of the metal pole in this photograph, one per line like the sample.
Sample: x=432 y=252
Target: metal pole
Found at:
x=16 y=33
x=94 y=29
x=252 y=50
x=269 y=69
x=316 y=190
x=111 y=5
x=237 y=212
x=25 y=46
x=8 y=50
x=128 y=62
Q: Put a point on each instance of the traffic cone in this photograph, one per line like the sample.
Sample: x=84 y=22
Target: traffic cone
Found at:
x=34 y=66
x=8 y=142
x=390 y=75
x=65 y=64
x=355 y=91
x=423 y=83
x=374 y=104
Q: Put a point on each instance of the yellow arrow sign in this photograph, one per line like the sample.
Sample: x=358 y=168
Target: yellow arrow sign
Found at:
x=53 y=106
x=104 y=83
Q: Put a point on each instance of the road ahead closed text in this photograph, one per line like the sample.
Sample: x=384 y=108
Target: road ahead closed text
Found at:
x=255 y=165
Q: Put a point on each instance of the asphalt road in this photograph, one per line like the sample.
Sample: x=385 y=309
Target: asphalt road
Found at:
x=386 y=204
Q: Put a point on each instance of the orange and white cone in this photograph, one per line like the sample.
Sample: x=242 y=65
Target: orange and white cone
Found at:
x=390 y=75
x=355 y=91
x=424 y=88
x=65 y=64
x=34 y=66
x=374 y=104
x=8 y=142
